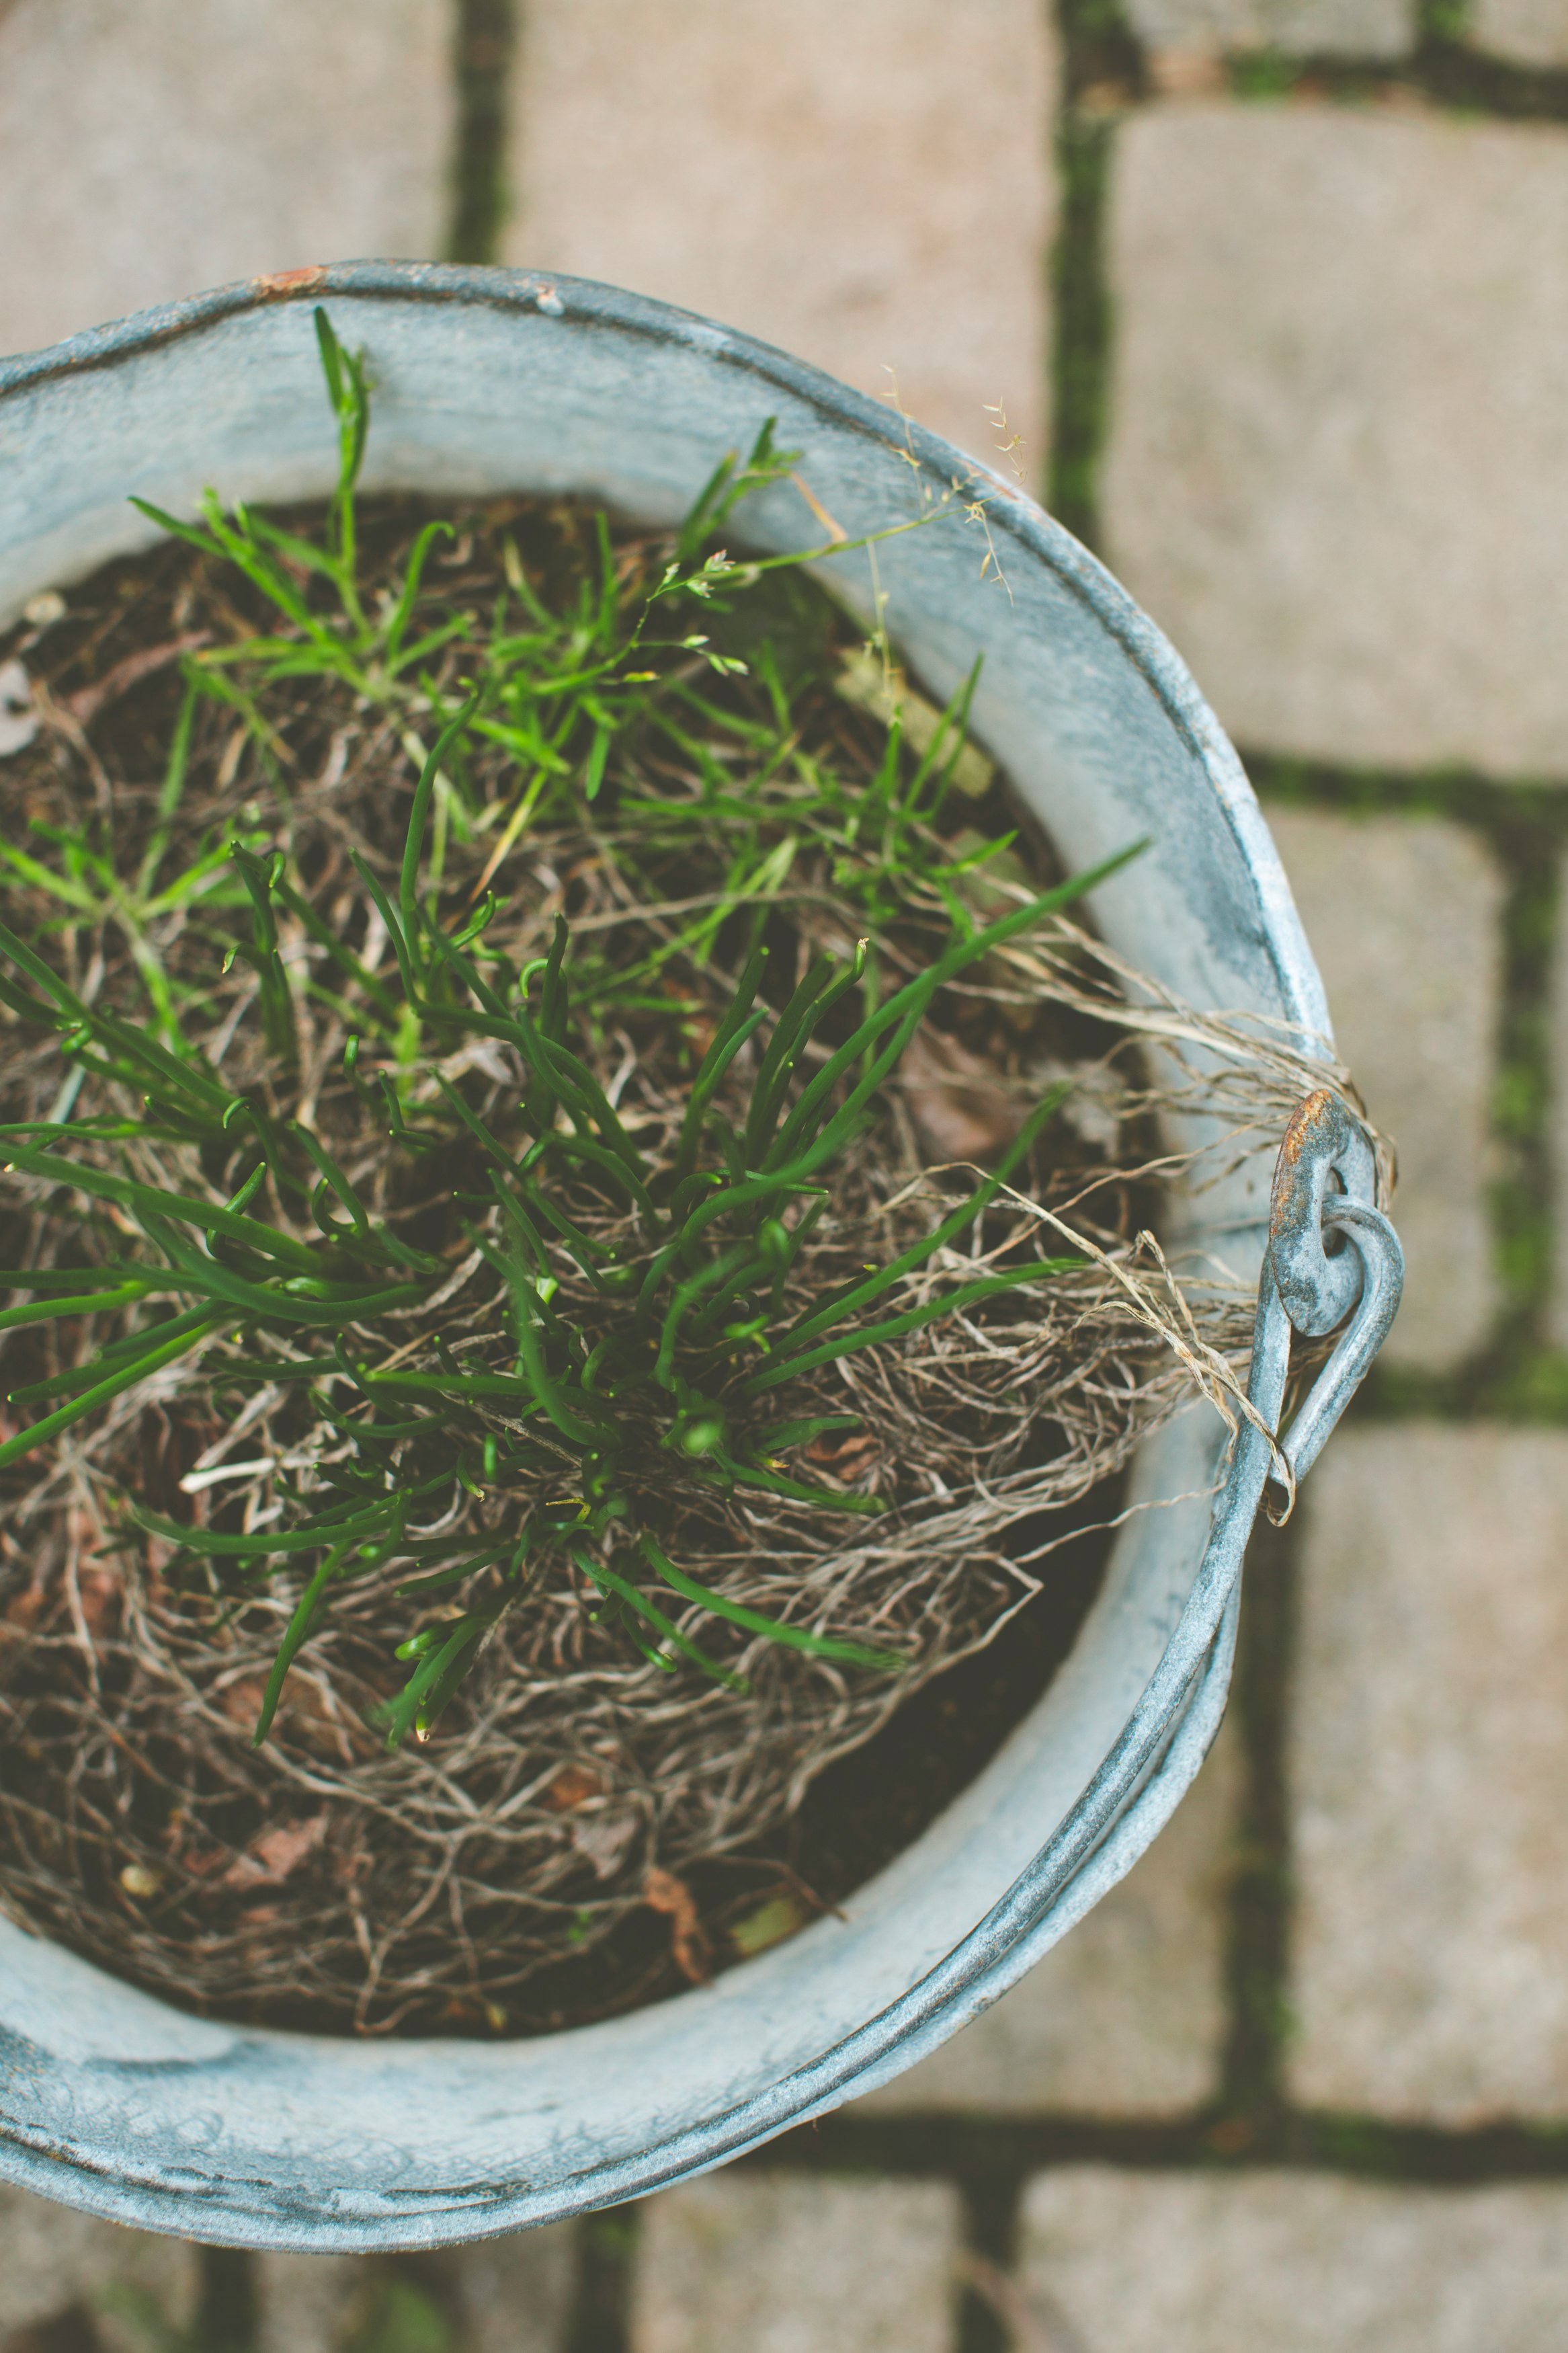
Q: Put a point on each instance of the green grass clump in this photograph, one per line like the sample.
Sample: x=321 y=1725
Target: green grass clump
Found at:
x=643 y=1321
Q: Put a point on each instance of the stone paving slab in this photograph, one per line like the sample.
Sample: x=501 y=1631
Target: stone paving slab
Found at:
x=1428 y=1759
x=514 y=2294
x=867 y=186
x=1339 y=446
x=1338 y=29
x=1528 y=32
x=147 y=151
x=306 y=2304
x=1403 y=915
x=1291 y=2263
x=505 y=2295
x=748 y=2263
x=53 y=2261
x=1125 y=2017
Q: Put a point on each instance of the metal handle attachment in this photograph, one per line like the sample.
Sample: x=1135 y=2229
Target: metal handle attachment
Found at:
x=1323 y=1187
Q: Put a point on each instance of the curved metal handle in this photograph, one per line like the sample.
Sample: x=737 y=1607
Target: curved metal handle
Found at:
x=1377 y=1245
x=1323 y=1185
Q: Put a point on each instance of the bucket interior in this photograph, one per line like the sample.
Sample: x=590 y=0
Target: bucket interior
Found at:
x=490 y=382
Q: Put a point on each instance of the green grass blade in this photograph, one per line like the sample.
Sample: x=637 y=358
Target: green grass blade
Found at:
x=968 y=1294
x=609 y=1581
x=861 y=1294
x=341 y=1528
x=756 y=1622
x=180 y=1206
x=76 y=1377
x=414 y=842
x=304 y=1618
x=27 y=1440
x=916 y=995
x=398 y=619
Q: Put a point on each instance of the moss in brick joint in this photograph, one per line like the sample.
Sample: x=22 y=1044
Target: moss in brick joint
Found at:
x=601 y=2303
x=1443 y=68
x=1102 y=68
x=485 y=46
x=1443 y=20
x=1081 y=359
x=1258 y=1899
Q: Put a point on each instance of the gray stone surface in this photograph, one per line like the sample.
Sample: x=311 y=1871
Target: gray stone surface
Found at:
x=1340 y=28
x=53 y=2259
x=1403 y=917
x=147 y=151
x=747 y=2263
x=505 y=2295
x=307 y=2303
x=1529 y=31
x=867 y=186
x=514 y=2294
x=1429 y=1758
x=1126 y=2016
x=1339 y=446
x=1291 y=2263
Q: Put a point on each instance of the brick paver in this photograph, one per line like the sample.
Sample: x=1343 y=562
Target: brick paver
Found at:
x=307 y=2303
x=149 y=151
x=1403 y=915
x=868 y=185
x=1429 y=1753
x=1344 y=28
x=1529 y=31
x=1126 y=2016
x=514 y=2294
x=505 y=2295
x=55 y=2261
x=1291 y=2263
x=1338 y=440
x=792 y=2264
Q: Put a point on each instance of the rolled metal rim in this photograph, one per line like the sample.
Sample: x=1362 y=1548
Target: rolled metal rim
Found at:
x=160 y=2139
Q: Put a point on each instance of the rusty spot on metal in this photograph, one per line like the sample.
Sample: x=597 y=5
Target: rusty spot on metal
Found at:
x=1300 y=1130
x=289 y=281
x=1302 y=1119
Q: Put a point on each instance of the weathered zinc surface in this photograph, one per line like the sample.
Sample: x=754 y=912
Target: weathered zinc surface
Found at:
x=1326 y=443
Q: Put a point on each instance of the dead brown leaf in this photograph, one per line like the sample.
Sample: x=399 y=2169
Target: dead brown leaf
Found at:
x=847 y=1458
x=570 y=1786
x=961 y=1110
x=662 y=1892
x=270 y=1859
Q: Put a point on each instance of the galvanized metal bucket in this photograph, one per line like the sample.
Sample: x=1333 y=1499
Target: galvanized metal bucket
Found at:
x=491 y=381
